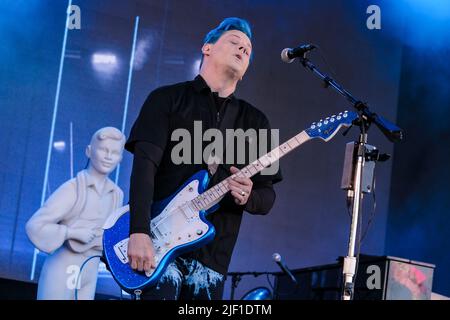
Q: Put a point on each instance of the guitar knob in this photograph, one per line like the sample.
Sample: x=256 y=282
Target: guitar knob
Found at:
x=199 y=231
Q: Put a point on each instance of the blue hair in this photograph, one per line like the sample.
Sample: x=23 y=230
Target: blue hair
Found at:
x=228 y=24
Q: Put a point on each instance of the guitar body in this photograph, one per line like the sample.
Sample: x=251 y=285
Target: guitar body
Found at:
x=176 y=228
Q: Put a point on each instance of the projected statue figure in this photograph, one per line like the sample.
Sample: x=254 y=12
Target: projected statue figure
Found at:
x=69 y=224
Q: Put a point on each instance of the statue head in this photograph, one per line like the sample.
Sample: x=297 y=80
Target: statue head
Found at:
x=105 y=150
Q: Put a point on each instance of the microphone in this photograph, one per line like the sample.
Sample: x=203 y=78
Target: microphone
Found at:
x=277 y=258
x=289 y=54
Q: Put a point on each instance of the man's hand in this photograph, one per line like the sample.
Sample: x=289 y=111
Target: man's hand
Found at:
x=240 y=187
x=140 y=252
x=84 y=235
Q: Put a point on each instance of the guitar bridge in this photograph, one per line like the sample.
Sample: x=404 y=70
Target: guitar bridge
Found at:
x=121 y=250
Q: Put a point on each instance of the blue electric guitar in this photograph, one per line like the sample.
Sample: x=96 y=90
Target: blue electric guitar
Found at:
x=178 y=223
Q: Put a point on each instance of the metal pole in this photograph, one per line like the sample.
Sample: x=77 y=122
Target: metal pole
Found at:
x=349 y=266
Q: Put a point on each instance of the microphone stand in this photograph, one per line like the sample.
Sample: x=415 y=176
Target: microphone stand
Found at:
x=392 y=133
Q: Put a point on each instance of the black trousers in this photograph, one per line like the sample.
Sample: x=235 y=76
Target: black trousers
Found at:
x=187 y=279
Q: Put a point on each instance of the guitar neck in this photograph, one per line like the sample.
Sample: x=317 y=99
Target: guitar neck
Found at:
x=214 y=194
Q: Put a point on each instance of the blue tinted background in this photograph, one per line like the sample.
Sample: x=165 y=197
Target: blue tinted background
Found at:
x=309 y=223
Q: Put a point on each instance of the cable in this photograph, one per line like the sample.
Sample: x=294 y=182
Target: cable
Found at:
x=278 y=291
x=270 y=283
x=348 y=204
x=322 y=56
x=374 y=207
x=78 y=276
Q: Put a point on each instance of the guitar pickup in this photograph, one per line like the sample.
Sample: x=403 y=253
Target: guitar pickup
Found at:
x=187 y=211
x=121 y=250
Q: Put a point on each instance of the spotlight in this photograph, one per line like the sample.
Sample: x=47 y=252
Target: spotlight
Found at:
x=105 y=63
x=103 y=58
x=260 y=293
x=59 y=146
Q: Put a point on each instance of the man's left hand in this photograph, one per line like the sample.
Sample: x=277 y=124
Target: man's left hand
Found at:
x=240 y=187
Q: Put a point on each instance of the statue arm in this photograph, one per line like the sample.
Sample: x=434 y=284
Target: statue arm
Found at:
x=44 y=228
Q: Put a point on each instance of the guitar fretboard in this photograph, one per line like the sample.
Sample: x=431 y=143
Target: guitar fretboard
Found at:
x=214 y=194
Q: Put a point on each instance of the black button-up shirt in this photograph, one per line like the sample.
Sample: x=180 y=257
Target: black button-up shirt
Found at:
x=155 y=176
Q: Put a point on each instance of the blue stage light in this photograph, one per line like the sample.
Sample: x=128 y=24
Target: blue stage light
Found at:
x=104 y=62
x=260 y=293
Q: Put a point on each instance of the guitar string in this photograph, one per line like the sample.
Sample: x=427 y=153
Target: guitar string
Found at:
x=300 y=139
x=239 y=172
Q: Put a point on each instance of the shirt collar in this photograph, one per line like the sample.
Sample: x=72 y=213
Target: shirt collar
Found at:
x=200 y=84
x=90 y=182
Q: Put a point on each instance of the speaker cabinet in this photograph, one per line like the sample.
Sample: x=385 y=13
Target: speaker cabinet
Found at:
x=378 y=278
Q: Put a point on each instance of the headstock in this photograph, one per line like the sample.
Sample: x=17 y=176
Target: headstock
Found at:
x=326 y=129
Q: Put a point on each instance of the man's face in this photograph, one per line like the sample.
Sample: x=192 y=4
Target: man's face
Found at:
x=105 y=155
x=232 y=51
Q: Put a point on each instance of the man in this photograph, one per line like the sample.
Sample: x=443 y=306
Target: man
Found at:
x=210 y=99
x=69 y=224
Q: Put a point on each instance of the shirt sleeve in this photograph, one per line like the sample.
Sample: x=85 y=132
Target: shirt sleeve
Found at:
x=147 y=141
x=261 y=198
x=152 y=124
x=44 y=229
x=145 y=161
